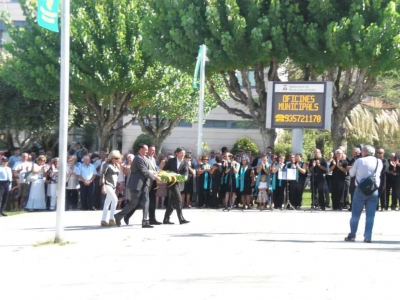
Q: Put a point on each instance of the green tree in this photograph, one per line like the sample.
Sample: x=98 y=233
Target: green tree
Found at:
x=347 y=42
x=108 y=65
x=175 y=101
x=245 y=144
x=24 y=121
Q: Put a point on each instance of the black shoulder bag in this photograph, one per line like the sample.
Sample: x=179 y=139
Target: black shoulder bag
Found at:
x=368 y=185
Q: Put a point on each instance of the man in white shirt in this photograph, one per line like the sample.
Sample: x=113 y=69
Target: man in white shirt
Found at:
x=20 y=169
x=363 y=168
x=87 y=173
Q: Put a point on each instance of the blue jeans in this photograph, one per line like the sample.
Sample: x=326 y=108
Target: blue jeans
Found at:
x=370 y=202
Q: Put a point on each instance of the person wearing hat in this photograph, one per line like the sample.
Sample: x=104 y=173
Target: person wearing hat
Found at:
x=109 y=178
x=5 y=183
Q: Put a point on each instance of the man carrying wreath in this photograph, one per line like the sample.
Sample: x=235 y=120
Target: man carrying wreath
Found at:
x=178 y=165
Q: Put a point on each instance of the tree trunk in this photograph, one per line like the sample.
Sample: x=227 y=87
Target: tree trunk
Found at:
x=268 y=136
x=104 y=138
x=158 y=144
x=338 y=129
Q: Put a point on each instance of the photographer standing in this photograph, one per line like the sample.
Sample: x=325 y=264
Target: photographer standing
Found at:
x=78 y=150
x=363 y=168
x=318 y=167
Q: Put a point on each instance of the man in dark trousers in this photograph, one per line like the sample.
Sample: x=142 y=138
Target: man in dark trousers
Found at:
x=178 y=165
x=380 y=153
x=318 y=167
x=152 y=192
x=140 y=180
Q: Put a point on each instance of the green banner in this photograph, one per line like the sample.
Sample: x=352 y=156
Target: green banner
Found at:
x=47 y=14
x=196 y=70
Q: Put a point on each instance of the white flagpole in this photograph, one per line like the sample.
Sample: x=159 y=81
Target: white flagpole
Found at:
x=201 y=100
x=63 y=128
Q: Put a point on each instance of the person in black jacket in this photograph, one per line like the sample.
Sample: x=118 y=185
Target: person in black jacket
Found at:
x=179 y=165
x=380 y=153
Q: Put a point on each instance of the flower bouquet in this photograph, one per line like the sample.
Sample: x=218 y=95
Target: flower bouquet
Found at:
x=171 y=177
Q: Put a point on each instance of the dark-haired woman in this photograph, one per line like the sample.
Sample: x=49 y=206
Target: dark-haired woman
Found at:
x=246 y=175
x=205 y=182
x=216 y=173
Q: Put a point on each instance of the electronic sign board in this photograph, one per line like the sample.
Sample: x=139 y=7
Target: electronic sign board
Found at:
x=299 y=105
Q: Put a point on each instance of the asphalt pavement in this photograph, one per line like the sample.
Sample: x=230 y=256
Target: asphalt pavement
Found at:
x=218 y=255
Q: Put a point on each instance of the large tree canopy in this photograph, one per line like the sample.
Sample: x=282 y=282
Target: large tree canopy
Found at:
x=110 y=73
x=347 y=42
x=174 y=101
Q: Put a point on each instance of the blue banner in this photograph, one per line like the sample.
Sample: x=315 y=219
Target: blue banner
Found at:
x=47 y=14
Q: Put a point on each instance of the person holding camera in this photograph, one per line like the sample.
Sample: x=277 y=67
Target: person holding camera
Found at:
x=363 y=169
x=78 y=150
x=318 y=167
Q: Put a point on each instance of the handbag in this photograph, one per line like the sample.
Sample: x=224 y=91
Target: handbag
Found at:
x=368 y=185
x=31 y=177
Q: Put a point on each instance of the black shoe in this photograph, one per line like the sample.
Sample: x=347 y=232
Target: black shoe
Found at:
x=117 y=220
x=167 y=222
x=147 y=226
x=184 y=222
x=3 y=214
x=367 y=240
x=92 y=208
x=322 y=208
x=155 y=222
x=126 y=220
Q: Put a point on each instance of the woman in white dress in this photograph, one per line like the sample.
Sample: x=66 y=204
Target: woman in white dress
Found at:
x=37 y=197
x=109 y=178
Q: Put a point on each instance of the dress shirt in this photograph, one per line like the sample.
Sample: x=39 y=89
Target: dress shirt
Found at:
x=5 y=174
x=365 y=167
x=87 y=171
x=178 y=163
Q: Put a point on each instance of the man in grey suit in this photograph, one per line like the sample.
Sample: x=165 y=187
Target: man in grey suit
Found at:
x=179 y=165
x=152 y=190
x=140 y=180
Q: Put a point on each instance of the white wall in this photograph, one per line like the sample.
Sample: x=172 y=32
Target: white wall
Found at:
x=186 y=137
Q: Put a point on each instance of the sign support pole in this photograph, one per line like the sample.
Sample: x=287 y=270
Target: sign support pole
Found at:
x=64 y=105
x=201 y=101
x=297 y=140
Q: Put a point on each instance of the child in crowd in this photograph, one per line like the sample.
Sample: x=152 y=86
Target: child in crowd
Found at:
x=262 y=192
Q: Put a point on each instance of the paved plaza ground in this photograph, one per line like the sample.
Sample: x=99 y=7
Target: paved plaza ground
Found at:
x=219 y=255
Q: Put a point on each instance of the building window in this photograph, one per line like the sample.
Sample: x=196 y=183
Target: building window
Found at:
x=244 y=125
x=250 y=74
x=183 y=123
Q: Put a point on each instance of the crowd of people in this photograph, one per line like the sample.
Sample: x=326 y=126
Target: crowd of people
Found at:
x=220 y=179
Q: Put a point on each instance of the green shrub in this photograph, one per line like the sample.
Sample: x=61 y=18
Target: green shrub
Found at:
x=245 y=144
x=283 y=148
x=141 y=139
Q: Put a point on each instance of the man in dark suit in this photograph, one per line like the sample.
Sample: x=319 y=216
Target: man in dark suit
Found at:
x=152 y=192
x=140 y=180
x=178 y=165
